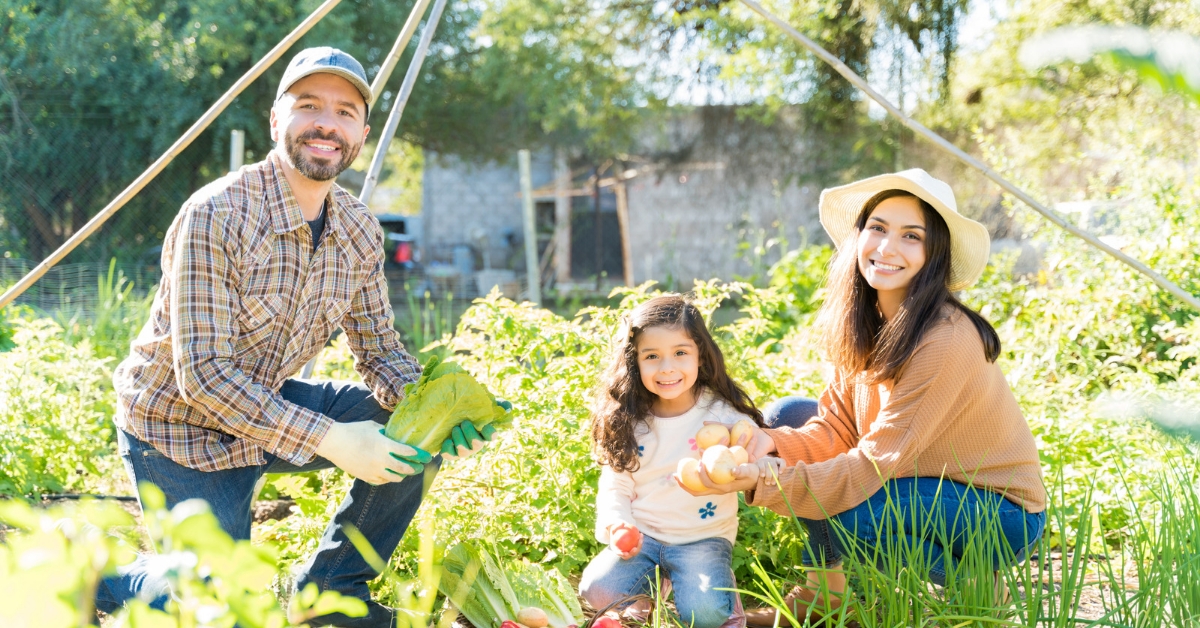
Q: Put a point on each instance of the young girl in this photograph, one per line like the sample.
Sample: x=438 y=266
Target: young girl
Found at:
x=667 y=381
x=919 y=414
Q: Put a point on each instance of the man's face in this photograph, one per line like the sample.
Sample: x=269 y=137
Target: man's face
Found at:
x=320 y=120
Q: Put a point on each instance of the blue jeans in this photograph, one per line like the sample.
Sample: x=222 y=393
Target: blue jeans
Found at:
x=932 y=516
x=695 y=570
x=381 y=513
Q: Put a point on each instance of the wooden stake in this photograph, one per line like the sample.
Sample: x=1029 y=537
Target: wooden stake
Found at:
x=532 y=276
x=562 y=218
x=183 y=142
x=623 y=223
x=962 y=156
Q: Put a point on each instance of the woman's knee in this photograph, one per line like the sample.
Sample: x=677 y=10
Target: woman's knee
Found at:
x=792 y=412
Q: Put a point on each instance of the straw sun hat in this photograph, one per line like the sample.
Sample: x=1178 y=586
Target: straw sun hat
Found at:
x=969 y=240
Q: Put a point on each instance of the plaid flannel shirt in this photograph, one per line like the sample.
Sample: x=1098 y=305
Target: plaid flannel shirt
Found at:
x=244 y=303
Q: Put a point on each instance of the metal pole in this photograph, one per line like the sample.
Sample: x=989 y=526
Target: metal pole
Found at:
x=389 y=63
x=377 y=85
x=533 y=277
x=186 y=139
x=237 y=149
x=957 y=152
x=393 y=121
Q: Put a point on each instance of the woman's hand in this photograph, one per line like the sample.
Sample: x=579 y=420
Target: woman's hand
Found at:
x=630 y=531
x=745 y=478
x=757 y=443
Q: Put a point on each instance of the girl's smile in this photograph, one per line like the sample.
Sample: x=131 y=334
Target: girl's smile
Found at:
x=668 y=362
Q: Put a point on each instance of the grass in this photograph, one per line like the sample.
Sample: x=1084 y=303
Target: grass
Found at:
x=889 y=583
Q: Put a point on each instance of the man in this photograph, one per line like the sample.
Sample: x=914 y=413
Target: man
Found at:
x=259 y=268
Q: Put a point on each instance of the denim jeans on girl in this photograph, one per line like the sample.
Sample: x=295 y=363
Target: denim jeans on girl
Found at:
x=696 y=570
x=381 y=513
x=930 y=515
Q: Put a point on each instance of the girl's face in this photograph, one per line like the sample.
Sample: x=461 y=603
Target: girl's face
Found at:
x=669 y=361
x=891 y=249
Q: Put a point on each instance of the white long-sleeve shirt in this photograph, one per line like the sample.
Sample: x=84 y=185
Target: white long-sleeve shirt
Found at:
x=651 y=500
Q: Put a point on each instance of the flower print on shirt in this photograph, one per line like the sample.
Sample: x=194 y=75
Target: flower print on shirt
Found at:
x=709 y=510
x=692 y=442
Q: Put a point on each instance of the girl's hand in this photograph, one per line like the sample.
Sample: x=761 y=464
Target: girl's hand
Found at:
x=631 y=531
x=745 y=478
x=769 y=468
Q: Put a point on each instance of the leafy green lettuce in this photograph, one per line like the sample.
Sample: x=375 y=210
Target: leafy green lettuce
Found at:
x=443 y=397
x=476 y=584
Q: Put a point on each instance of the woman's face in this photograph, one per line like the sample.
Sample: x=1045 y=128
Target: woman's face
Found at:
x=891 y=248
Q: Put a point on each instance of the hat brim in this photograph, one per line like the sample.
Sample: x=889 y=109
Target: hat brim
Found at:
x=970 y=244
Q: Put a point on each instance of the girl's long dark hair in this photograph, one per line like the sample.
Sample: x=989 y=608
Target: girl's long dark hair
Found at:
x=856 y=338
x=623 y=402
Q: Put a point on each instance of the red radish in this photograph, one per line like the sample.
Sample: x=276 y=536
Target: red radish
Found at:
x=626 y=539
x=604 y=621
x=508 y=623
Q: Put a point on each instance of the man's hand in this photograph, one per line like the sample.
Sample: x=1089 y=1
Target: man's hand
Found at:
x=362 y=450
x=465 y=441
x=745 y=478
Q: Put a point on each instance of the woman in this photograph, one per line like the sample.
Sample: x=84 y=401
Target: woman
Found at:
x=918 y=410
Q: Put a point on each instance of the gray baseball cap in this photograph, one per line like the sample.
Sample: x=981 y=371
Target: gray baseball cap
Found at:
x=329 y=60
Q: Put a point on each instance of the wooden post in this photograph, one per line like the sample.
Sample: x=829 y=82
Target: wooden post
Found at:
x=237 y=149
x=533 y=277
x=183 y=142
x=562 y=218
x=599 y=256
x=623 y=222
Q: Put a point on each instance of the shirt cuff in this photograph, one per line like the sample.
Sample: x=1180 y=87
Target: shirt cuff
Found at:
x=300 y=431
x=781 y=444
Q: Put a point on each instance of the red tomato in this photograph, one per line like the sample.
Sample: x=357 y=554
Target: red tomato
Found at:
x=626 y=539
x=604 y=621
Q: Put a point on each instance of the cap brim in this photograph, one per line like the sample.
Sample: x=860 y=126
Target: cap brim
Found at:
x=358 y=83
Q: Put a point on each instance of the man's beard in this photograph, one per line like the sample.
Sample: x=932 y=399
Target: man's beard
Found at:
x=319 y=169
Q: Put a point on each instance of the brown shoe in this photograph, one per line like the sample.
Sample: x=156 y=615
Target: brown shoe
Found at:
x=803 y=603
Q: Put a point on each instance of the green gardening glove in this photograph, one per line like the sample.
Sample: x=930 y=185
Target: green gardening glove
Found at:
x=466 y=441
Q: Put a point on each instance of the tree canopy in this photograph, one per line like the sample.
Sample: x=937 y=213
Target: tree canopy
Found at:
x=92 y=91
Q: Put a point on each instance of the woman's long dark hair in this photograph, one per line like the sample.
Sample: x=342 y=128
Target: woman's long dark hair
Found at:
x=624 y=402
x=855 y=336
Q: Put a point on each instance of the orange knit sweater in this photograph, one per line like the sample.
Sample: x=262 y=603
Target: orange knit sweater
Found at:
x=949 y=414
